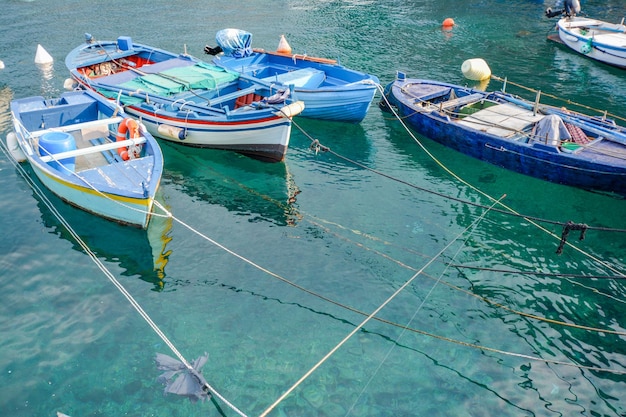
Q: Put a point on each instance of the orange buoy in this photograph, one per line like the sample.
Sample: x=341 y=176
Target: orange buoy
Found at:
x=448 y=23
x=283 y=46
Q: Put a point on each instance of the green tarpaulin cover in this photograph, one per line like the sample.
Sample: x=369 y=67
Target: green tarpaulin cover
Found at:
x=175 y=80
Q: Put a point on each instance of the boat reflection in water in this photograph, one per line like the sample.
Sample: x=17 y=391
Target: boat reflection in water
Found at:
x=260 y=191
x=138 y=252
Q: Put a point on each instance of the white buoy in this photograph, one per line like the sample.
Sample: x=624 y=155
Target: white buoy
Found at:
x=171 y=132
x=70 y=84
x=42 y=56
x=283 y=46
x=1 y=65
x=476 y=69
x=14 y=148
x=291 y=110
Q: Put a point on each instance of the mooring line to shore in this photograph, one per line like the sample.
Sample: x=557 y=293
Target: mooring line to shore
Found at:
x=321 y=223
x=470 y=228
x=211 y=389
x=322 y=297
x=373 y=317
x=532 y=220
x=308 y=217
x=94 y=258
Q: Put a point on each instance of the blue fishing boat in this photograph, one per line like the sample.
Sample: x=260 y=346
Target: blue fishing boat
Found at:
x=329 y=90
x=184 y=100
x=547 y=142
x=88 y=152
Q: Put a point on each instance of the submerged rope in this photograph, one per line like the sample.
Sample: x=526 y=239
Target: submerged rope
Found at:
x=317 y=147
x=471 y=227
x=374 y=313
x=110 y=276
x=531 y=220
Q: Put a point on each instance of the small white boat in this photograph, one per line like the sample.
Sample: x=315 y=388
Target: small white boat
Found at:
x=595 y=39
x=77 y=145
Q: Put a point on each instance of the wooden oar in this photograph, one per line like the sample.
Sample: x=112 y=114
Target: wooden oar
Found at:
x=297 y=56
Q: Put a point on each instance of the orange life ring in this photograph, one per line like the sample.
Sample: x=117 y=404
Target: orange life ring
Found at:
x=131 y=127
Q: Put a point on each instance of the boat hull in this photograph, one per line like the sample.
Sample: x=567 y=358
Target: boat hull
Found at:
x=341 y=105
x=119 y=208
x=266 y=140
x=329 y=91
x=590 y=169
x=601 y=41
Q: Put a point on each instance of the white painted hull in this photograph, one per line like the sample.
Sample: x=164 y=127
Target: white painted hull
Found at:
x=184 y=100
x=132 y=211
x=266 y=139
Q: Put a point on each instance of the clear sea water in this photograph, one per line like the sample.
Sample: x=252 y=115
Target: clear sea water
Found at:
x=475 y=333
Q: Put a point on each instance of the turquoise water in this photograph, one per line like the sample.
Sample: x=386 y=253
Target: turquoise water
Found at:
x=474 y=334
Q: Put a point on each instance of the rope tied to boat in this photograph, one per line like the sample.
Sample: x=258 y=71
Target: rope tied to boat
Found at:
x=569 y=226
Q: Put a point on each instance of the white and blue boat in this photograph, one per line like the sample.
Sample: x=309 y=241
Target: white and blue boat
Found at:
x=595 y=39
x=89 y=153
x=329 y=90
x=546 y=142
x=184 y=100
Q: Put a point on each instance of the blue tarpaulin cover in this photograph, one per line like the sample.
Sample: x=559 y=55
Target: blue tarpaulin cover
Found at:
x=235 y=42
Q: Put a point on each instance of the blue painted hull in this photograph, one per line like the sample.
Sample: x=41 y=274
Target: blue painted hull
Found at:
x=329 y=91
x=599 y=165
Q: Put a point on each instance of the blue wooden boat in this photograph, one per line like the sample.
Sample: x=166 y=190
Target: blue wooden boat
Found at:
x=534 y=139
x=184 y=100
x=329 y=91
x=88 y=152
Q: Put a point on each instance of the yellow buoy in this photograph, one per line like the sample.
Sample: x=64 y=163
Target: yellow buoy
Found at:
x=476 y=69
x=283 y=46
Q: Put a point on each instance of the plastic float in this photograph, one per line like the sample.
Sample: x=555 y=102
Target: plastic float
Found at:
x=42 y=56
x=448 y=23
x=14 y=148
x=476 y=69
x=283 y=46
